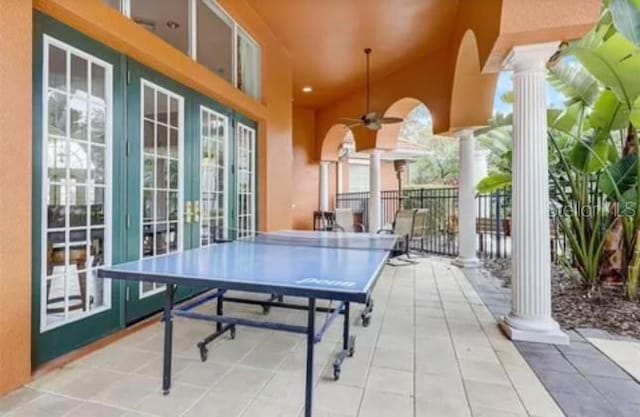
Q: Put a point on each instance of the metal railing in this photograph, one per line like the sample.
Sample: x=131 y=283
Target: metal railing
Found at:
x=493 y=219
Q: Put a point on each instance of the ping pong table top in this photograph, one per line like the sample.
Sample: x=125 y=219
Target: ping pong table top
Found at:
x=324 y=265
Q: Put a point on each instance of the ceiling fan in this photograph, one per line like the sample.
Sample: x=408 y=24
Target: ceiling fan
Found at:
x=370 y=120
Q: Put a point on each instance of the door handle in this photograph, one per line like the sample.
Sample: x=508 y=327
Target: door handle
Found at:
x=196 y=211
x=188 y=212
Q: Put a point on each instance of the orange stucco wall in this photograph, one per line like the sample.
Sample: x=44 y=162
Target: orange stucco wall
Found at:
x=306 y=169
x=15 y=193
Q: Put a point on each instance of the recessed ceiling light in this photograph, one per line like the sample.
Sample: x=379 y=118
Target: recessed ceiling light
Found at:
x=307 y=89
x=173 y=24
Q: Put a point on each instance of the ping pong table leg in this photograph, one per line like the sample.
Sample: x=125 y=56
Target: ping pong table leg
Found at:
x=168 y=339
x=366 y=313
x=311 y=340
x=348 y=342
x=219 y=310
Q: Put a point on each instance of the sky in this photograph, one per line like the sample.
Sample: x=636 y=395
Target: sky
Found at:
x=505 y=84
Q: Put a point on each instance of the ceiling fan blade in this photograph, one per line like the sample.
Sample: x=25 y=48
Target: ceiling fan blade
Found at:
x=373 y=125
x=391 y=120
x=352 y=125
x=349 y=119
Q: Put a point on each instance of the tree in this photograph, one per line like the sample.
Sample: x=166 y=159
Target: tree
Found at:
x=441 y=166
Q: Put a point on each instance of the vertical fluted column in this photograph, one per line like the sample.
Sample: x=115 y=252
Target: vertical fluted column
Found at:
x=480 y=171
x=466 y=202
x=324 y=185
x=339 y=175
x=375 y=221
x=530 y=318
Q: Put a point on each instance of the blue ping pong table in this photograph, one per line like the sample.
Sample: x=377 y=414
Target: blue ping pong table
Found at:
x=341 y=267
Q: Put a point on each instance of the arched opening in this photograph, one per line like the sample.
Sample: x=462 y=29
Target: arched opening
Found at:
x=472 y=93
x=387 y=137
x=333 y=141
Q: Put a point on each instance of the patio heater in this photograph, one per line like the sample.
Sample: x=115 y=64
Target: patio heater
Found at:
x=400 y=166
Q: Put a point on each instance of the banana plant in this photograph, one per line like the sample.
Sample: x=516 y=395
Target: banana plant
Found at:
x=610 y=54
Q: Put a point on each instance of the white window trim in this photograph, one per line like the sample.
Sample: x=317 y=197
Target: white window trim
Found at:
x=214 y=6
x=51 y=41
x=225 y=139
x=169 y=93
x=252 y=132
x=242 y=32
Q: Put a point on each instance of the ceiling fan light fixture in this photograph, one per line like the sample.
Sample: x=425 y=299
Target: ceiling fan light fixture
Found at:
x=307 y=89
x=370 y=120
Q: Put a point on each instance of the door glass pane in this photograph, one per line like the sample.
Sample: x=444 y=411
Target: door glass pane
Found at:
x=168 y=19
x=78 y=162
x=97 y=205
x=160 y=175
x=246 y=180
x=98 y=155
x=215 y=39
x=162 y=140
x=56 y=207
x=58 y=106
x=79 y=75
x=76 y=180
x=97 y=116
x=212 y=177
x=98 y=80
x=77 y=199
x=57 y=159
x=57 y=69
x=249 y=65
x=174 y=138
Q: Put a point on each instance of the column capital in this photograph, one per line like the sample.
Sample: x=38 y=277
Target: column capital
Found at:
x=532 y=57
x=325 y=162
x=465 y=134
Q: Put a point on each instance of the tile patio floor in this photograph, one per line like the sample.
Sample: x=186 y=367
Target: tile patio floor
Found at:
x=433 y=349
x=626 y=353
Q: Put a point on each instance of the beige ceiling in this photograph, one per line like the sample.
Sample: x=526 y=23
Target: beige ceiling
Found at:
x=326 y=39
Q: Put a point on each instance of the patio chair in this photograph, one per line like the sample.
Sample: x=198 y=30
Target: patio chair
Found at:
x=402 y=226
x=344 y=221
x=420 y=227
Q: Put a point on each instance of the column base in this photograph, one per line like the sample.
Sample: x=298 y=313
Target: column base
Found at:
x=466 y=262
x=539 y=331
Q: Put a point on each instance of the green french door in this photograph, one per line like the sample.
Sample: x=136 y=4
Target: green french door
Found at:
x=159 y=211
x=128 y=164
x=211 y=172
x=78 y=174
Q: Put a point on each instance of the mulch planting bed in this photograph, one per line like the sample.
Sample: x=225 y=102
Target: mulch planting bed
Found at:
x=574 y=307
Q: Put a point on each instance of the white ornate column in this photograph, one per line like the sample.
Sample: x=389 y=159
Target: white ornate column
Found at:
x=339 y=175
x=375 y=200
x=466 y=202
x=324 y=185
x=480 y=171
x=530 y=317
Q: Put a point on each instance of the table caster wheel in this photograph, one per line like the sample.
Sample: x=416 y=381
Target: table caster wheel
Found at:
x=336 y=373
x=366 y=320
x=266 y=310
x=204 y=352
x=351 y=351
x=232 y=333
